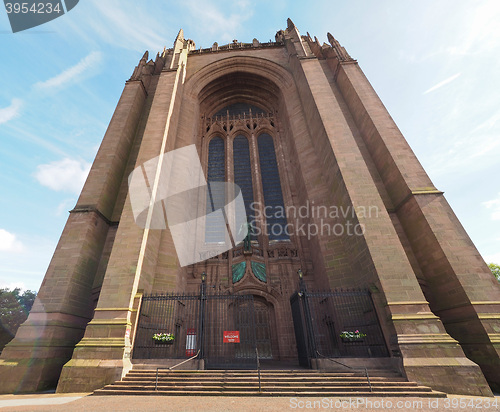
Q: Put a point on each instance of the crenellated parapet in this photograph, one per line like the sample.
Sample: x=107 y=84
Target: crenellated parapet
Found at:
x=328 y=51
x=340 y=51
x=167 y=59
x=236 y=45
x=303 y=46
x=147 y=67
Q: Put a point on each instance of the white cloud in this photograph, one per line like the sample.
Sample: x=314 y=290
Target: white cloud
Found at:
x=489 y=123
x=12 y=285
x=9 y=242
x=26 y=269
x=127 y=25
x=494 y=258
x=482 y=31
x=494 y=205
x=11 y=111
x=67 y=175
x=444 y=82
x=88 y=62
x=21 y=133
x=457 y=155
x=219 y=22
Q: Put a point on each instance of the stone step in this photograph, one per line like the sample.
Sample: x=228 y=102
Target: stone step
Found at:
x=264 y=382
x=272 y=388
x=303 y=371
x=255 y=379
x=277 y=383
x=254 y=372
x=432 y=394
x=269 y=371
x=263 y=377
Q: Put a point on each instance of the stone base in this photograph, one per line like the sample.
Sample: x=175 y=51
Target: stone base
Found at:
x=195 y=364
x=390 y=364
x=458 y=376
x=488 y=359
x=87 y=375
x=29 y=375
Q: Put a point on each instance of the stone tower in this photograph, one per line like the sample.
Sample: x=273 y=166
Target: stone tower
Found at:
x=295 y=124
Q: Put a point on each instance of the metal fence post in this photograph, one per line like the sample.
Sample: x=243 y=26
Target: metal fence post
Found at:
x=307 y=314
x=203 y=297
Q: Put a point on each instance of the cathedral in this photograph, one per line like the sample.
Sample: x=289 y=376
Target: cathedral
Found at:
x=339 y=245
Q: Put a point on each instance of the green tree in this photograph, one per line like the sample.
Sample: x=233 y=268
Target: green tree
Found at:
x=14 y=309
x=495 y=269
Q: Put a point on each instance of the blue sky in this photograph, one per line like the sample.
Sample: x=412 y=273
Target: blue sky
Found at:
x=435 y=65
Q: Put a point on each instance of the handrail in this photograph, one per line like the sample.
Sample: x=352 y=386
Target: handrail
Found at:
x=175 y=366
x=258 y=368
x=350 y=367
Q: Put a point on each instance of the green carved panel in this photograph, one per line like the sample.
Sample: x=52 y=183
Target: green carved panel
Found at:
x=238 y=271
x=259 y=270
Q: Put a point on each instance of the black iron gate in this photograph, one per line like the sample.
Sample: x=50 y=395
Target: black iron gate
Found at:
x=170 y=313
x=225 y=314
x=198 y=322
x=340 y=323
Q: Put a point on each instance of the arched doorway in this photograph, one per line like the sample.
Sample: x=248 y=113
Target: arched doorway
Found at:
x=264 y=326
x=263 y=336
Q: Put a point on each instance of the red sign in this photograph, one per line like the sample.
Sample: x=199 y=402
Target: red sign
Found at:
x=231 y=336
x=190 y=342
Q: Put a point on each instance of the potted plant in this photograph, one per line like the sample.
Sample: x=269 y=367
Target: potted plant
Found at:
x=355 y=336
x=167 y=338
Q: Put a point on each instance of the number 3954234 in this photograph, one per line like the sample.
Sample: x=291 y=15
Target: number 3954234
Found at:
x=33 y=8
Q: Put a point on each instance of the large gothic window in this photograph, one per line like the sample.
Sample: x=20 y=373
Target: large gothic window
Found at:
x=214 y=233
x=243 y=174
x=247 y=127
x=271 y=185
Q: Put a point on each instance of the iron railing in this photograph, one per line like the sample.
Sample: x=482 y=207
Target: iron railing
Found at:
x=258 y=367
x=349 y=367
x=175 y=366
x=339 y=323
x=168 y=313
x=198 y=323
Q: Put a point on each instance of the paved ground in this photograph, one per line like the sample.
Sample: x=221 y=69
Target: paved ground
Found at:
x=86 y=403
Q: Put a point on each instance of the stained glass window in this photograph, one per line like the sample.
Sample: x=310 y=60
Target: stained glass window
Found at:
x=214 y=232
x=243 y=175
x=273 y=196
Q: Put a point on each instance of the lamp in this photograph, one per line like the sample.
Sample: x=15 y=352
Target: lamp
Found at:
x=301 y=275
x=203 y=277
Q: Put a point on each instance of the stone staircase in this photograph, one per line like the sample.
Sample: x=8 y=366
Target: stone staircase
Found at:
x=273 y=383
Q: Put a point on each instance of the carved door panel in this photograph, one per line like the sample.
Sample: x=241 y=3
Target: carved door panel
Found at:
x=263 y=331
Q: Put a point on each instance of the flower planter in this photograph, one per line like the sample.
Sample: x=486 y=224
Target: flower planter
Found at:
x=159 y=342
x=163 y=338
x=352 y=337
x=352 y=340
